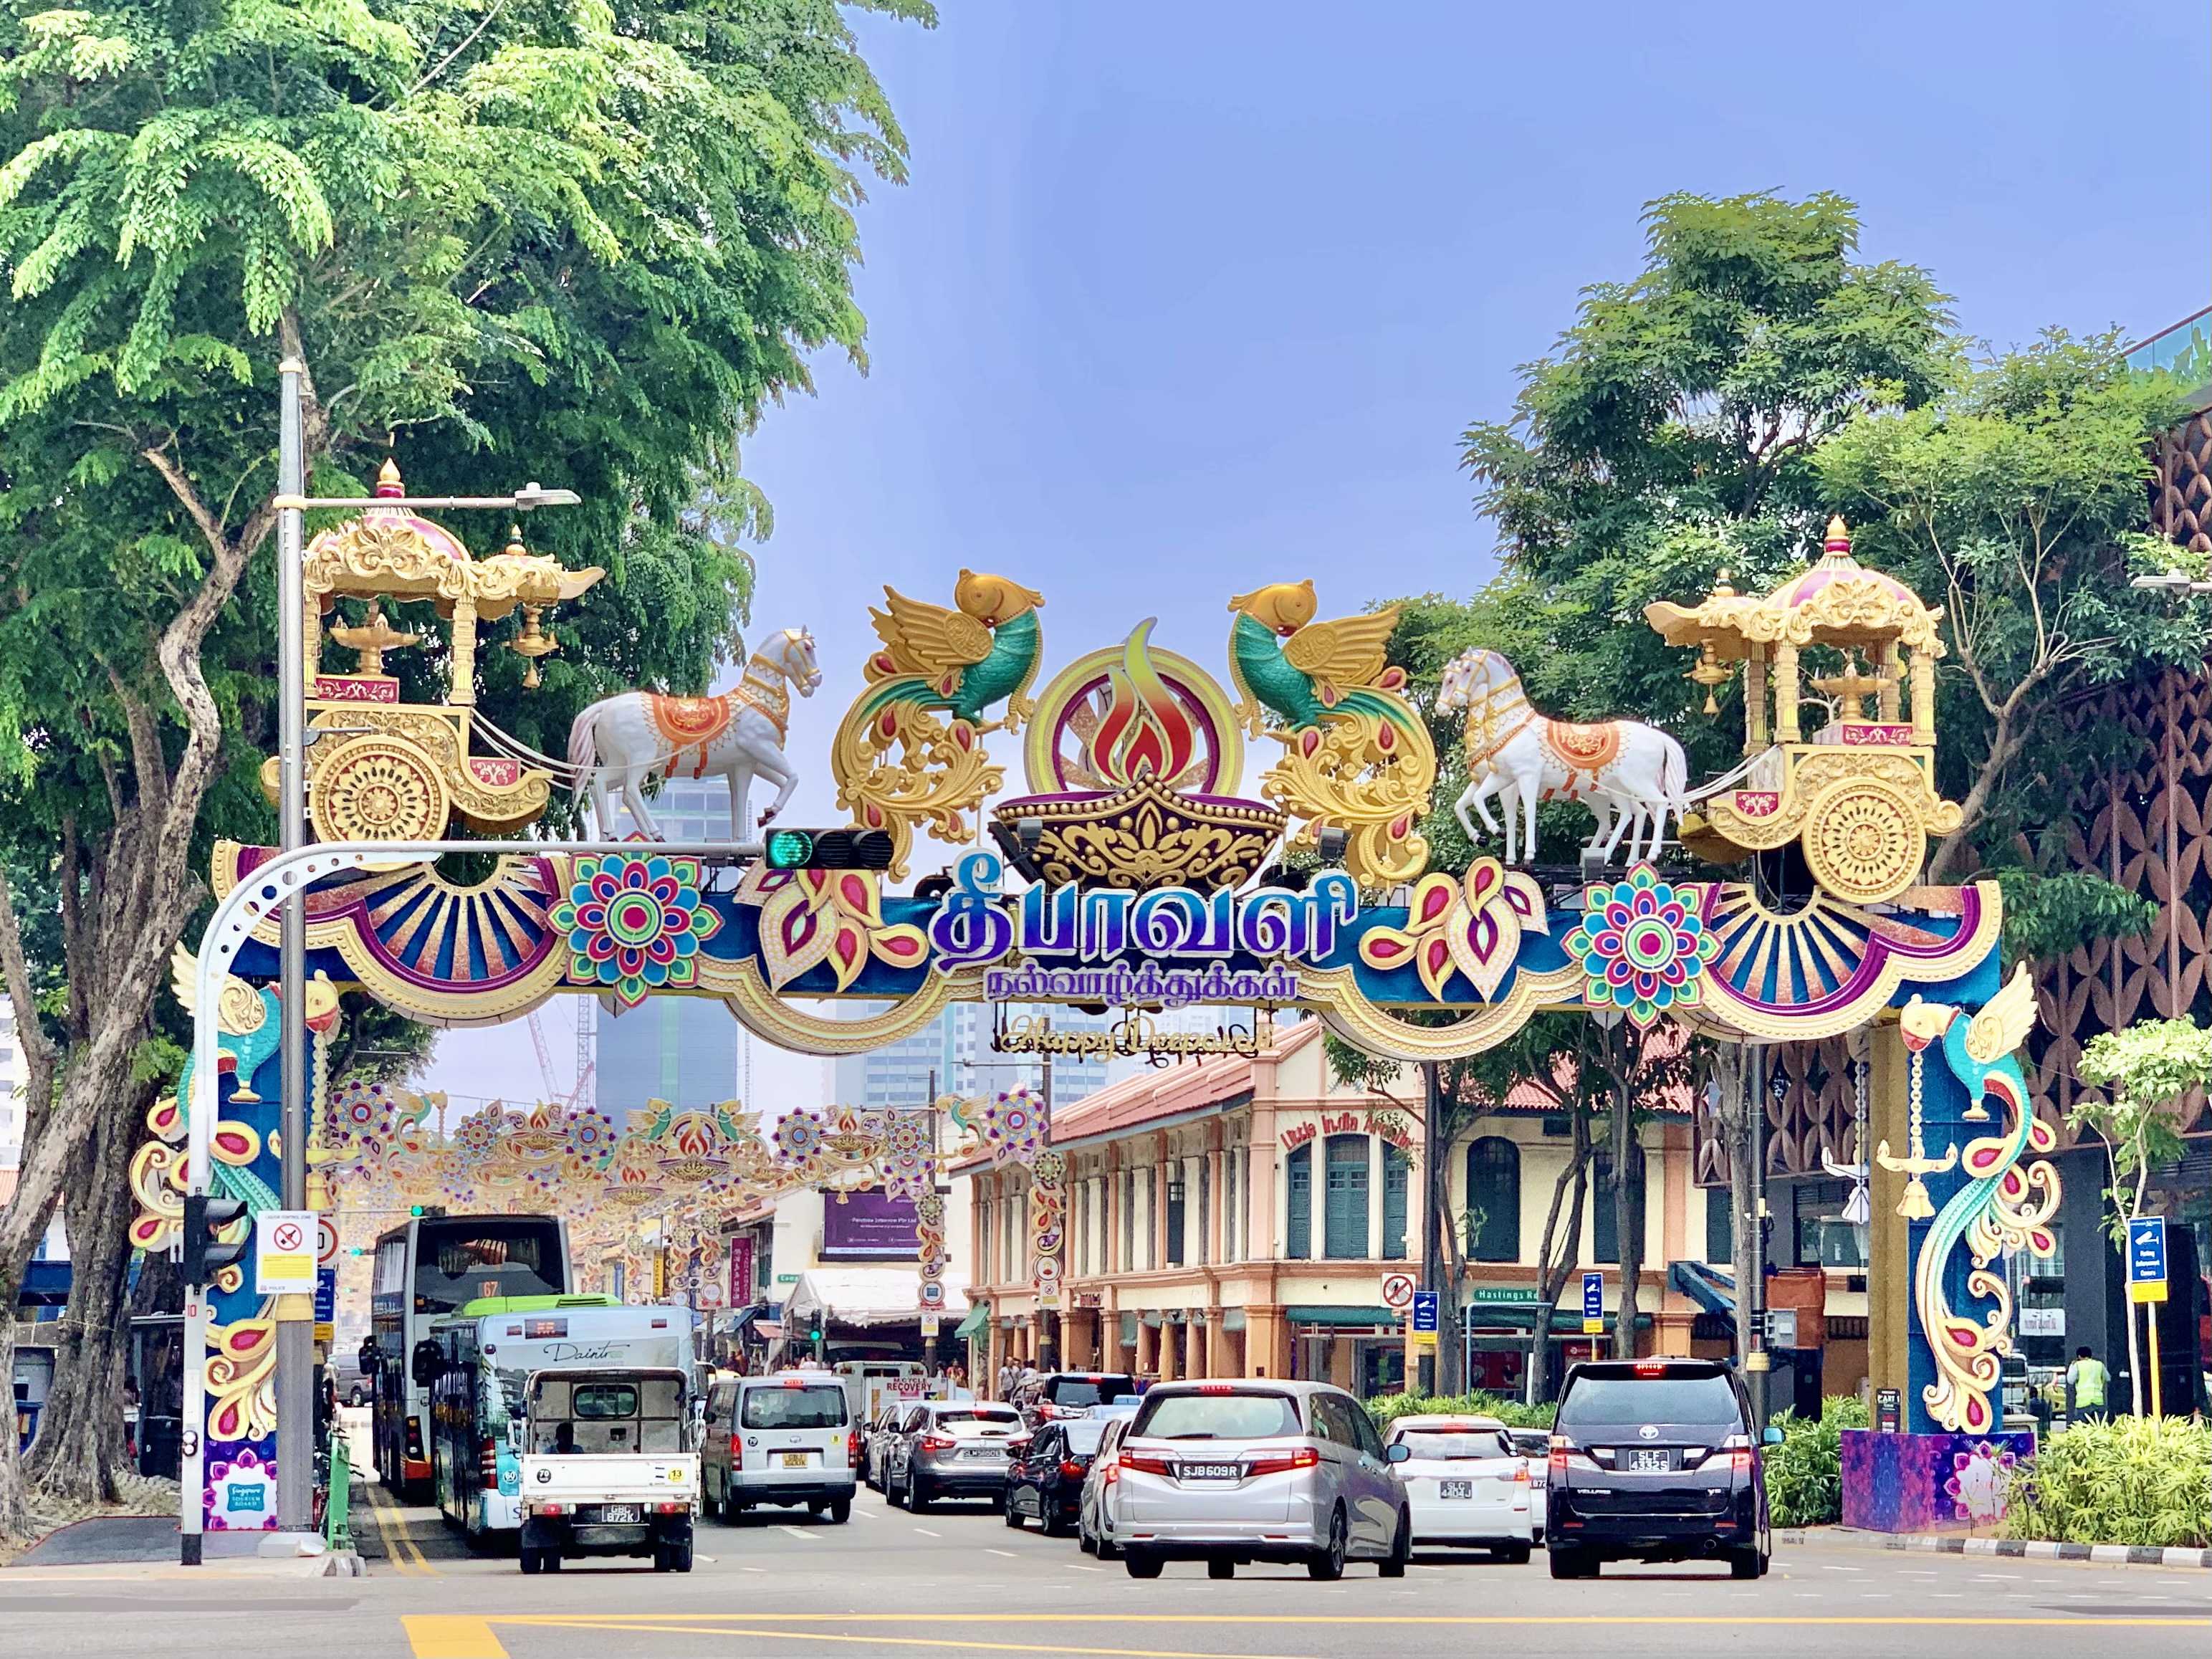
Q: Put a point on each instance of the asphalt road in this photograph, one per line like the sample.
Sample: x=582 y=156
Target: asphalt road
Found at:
x=887 y=1585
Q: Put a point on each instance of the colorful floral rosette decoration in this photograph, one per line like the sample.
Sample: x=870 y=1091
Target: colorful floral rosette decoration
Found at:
x=1014 y=1126
x=907 y=1164
x=635 y=925
x=1642 y=947
x=799 y=1137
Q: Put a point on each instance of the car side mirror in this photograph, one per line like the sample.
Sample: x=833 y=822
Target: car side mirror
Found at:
x=1770 y=1436
x=1396 y=1452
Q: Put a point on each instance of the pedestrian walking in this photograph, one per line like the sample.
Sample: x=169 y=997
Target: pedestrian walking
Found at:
x=2087 y=1380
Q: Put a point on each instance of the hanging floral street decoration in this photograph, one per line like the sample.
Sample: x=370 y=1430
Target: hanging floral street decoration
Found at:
x=635 y=925
x=1642 y=947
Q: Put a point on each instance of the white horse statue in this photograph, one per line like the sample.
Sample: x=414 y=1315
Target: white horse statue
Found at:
x=626 y=740
x=1631 y=776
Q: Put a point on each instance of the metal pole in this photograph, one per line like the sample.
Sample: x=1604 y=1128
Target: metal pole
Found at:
x=929 y=1338
x=295 y=1329
x=1758 y=1364
x=1048 y=1318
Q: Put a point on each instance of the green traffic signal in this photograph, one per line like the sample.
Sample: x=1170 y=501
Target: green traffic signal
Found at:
x=827 y=849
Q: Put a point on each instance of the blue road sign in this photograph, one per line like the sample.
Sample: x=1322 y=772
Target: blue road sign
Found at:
x=1593 y=1295
x=1425 y=1310
x=326 y=1295
x=2147 y=1251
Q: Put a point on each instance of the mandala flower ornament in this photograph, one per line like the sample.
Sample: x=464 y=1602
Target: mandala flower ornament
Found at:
x=1014 y=1126
x=1471 y=922
x=1643 y=948
x=799 y=1137
x=635 y=925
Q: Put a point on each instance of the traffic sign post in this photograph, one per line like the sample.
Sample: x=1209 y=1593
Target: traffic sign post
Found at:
x=2147 y=1285
x=1398 y=1291
x=1593 y=1304
x=284 y=1253
x=1425 y=1310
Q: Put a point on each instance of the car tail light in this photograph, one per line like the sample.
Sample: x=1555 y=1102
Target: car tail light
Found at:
x=1071 y=1470
x=1651 y=1368
x=1109 y=1472
x=549 y=1509
x=1215 y=1387
x=936 y=1443
x=415 y=1437
x=1560 y=1447
x=794 y=1382
x=1520 y=1474
x=852 y=1449
x=1739 y=1460
x=737 y=1451
x=488 y=1459
x=1144 y=1463
x=1304 y=1457
x=670 y=1509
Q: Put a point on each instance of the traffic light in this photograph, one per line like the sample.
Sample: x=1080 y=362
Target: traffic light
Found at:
x=827 y=849
x=418 y=1210
x=204 y=1255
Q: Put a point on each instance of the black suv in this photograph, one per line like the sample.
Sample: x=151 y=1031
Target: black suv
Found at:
x=1655 y=1459
x=1059 y=1394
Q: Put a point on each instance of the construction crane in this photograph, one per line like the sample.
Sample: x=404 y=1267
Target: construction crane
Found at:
x=544 y=1059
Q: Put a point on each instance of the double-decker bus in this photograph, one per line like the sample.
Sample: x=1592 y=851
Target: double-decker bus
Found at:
x=423 y=1271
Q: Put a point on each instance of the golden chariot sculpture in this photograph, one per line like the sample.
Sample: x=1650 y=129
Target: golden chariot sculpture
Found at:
x=1858 y=795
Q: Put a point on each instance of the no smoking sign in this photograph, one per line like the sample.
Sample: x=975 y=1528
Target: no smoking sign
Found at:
x=284 y=1244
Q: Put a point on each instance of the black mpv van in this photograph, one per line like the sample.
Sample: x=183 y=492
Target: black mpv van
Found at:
x=1657 y=1460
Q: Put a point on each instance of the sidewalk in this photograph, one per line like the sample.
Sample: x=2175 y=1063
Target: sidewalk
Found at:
x=145 y=1545
x=2115 y=1555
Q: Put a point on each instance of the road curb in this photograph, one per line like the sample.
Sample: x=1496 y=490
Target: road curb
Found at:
x=2129 y=1555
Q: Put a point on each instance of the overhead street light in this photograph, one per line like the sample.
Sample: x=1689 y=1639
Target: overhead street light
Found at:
x=527 y=499
x=2171 y=581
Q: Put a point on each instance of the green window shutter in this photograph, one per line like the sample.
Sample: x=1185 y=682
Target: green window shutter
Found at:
x=1345 y=1238
x=1720 y=1225
x=1397 y=1170
x=1493 y=1197
x=1298 y=1236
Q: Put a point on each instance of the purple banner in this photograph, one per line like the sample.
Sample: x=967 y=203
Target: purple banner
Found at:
x=867 y=1226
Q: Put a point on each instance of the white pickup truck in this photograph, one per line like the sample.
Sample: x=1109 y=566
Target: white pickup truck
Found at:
x=606 y=1470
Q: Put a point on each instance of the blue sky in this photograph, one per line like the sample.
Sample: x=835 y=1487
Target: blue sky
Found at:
x=1185 y=298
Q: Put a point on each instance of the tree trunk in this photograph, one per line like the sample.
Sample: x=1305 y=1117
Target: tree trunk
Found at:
x=1435 y=1146
x=1556 y=1256
x=81 y=1454
x=1627 y=1214
x=1733 y=1071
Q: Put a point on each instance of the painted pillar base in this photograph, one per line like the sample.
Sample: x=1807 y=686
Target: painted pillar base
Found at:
x=1923 y=1483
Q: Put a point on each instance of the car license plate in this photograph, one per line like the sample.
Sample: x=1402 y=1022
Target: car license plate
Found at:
x=1454 y=1488
x=1650 y=1460
x=620 y=1514
x=1210 y=1471
x=983 y=1451
x=794 y=1460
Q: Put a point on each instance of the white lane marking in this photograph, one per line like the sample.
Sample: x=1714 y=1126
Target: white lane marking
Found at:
x=1009 y=1554
x=752 y=1569
x=1829 y=1566
x=926 y=1533
x=1079 y=1567
x=866 y=1515
x=800 y=1531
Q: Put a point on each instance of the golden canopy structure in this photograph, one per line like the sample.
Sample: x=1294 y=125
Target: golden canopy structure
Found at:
x=1860 y=793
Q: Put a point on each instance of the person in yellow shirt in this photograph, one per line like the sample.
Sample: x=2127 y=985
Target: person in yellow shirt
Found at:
x=2087 y=1379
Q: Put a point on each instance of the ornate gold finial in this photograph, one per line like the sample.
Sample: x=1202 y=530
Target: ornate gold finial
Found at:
x=514 y=549
x=1721 y=590
x=1839 y=537
x=373 y=639
x=387 y=479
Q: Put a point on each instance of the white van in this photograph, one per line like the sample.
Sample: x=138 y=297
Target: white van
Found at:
x=787 y=1438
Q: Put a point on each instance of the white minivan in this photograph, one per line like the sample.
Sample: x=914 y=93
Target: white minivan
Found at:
x=787 y=1438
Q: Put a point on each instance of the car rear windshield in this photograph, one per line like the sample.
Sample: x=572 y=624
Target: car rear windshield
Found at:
x=1083 y=1435
x=812 y=1405
x=1455 y=1443
x=979 y=1414
x=1087 y=1390
x=1609 y=1401
x=1238 y=1415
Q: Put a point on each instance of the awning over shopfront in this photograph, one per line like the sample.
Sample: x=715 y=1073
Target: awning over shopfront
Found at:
x=1358 y=1316
x=977 y=1323
x=857 y=1296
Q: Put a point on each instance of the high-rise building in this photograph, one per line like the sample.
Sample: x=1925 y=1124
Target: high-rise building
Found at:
x=957 y=1047
x=683 y=1050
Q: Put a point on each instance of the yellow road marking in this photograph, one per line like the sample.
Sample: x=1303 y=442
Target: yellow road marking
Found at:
x=968 y=1645
x=400 y=1545
x=451 y=1635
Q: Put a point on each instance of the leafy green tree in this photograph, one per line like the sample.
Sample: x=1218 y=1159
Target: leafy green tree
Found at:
x=586 y=243
x=1671 y=434
x=2019 y=500
x=2150 y=1066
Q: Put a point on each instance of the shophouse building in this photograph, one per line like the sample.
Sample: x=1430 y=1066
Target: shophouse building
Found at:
x=1236 y=1216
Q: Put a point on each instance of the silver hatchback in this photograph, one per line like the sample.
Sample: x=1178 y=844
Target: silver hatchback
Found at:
x=1255 y=1470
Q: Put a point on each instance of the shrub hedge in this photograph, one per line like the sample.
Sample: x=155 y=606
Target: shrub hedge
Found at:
x=1388 y=1407
x=2132 y=1480
x=1805 y=1473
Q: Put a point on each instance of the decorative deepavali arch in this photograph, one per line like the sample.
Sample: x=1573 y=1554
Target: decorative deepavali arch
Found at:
x=1130 y=873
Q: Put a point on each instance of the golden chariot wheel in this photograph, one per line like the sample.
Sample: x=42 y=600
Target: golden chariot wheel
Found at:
x=378 y=788
x=1863 y=840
